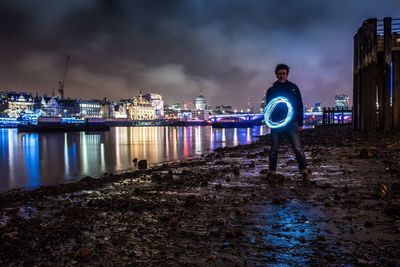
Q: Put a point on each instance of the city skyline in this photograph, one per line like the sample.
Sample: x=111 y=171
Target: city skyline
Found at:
x=226 y=49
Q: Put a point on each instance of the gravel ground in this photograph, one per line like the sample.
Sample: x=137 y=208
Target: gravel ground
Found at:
x=220 y=210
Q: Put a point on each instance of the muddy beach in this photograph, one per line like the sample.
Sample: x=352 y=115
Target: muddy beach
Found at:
x=220 y=210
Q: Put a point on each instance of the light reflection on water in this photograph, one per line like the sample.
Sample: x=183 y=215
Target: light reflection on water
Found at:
x=31 y=159
x=290 y=229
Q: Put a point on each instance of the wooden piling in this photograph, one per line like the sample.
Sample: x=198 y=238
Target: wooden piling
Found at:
x=369 y=80
x=387 y=52
x=373 y=77
x=396 y=89
x=356 y=82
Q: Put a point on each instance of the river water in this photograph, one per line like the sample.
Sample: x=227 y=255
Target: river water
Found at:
x=29 y=160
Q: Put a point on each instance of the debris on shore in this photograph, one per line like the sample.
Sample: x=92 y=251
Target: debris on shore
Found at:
x=220 y=210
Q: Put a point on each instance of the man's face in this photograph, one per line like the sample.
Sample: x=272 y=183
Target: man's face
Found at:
x=282 y=75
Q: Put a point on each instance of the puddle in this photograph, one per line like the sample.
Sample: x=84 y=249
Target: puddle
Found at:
x=290 y=229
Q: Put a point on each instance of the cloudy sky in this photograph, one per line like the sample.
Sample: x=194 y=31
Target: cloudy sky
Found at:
x=226 y=48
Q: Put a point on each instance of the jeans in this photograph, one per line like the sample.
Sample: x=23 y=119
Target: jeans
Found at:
x=292 y=132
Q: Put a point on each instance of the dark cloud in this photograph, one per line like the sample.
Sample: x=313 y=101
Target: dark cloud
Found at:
x=226 y=48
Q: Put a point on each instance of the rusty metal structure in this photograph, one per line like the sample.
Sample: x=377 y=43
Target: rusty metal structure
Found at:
x=376 y=76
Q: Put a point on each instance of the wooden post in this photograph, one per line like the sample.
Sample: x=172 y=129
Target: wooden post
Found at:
x=371 y=80
x=323 y=116
x=342 y=115
x=387 y=50
x=363 y=81
x=356 y=82
x=381 y=89
x=329 y=116
x=361 y=96
x=396 y=89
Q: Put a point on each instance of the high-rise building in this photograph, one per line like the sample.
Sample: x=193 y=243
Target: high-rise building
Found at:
x=342 y=101
x=316 y=107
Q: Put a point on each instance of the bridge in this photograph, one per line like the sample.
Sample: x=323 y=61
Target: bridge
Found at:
x=310 y=118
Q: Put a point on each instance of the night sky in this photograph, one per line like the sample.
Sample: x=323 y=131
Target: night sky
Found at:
x=226 y=48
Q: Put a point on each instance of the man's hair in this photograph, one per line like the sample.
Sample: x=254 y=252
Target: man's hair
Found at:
x=281 y=67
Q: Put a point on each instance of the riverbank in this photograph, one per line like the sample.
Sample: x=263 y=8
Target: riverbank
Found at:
x=218 y=210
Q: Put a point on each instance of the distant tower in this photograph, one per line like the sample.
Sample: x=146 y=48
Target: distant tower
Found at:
x=342 y=101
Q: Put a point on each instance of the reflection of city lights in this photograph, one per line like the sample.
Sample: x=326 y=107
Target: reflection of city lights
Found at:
x=235 y=137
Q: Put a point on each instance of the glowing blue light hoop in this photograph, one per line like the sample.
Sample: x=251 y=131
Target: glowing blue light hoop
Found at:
x=270 y=108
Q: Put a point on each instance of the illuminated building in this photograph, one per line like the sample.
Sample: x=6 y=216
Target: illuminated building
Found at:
x=200 y=103
x=90 y=109
x=17 y=103
x=170 y=112
x=316 y=107
x=156 y=101
x=49 y=106
x=106 y=108
x=119 y=109
x=3 y=103
x=200 y=111
x=69 y=107
x=141 y=109
x=185 y=115
x=223 y=109
x=176 y=107
x=342 y=101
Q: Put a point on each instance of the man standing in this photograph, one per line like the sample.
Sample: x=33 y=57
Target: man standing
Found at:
x=284 y=88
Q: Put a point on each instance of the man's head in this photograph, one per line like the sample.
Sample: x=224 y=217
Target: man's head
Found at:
x=282 y=72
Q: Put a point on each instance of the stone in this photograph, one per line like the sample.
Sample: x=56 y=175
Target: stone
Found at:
x=368 y=224
x=279 y=200
x=190 y=201
x=381 y=190
x=142 y=164
x=395 y=187
x=240 y=212
x=392 y=210
x=84 y=252
x=276 y=179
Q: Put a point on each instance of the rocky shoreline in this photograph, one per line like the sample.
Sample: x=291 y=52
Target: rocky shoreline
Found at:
x=219 y=210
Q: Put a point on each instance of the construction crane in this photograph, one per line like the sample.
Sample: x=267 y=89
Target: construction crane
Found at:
x=62 y=82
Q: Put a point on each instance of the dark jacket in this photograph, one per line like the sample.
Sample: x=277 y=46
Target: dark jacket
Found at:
x=292 y=93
